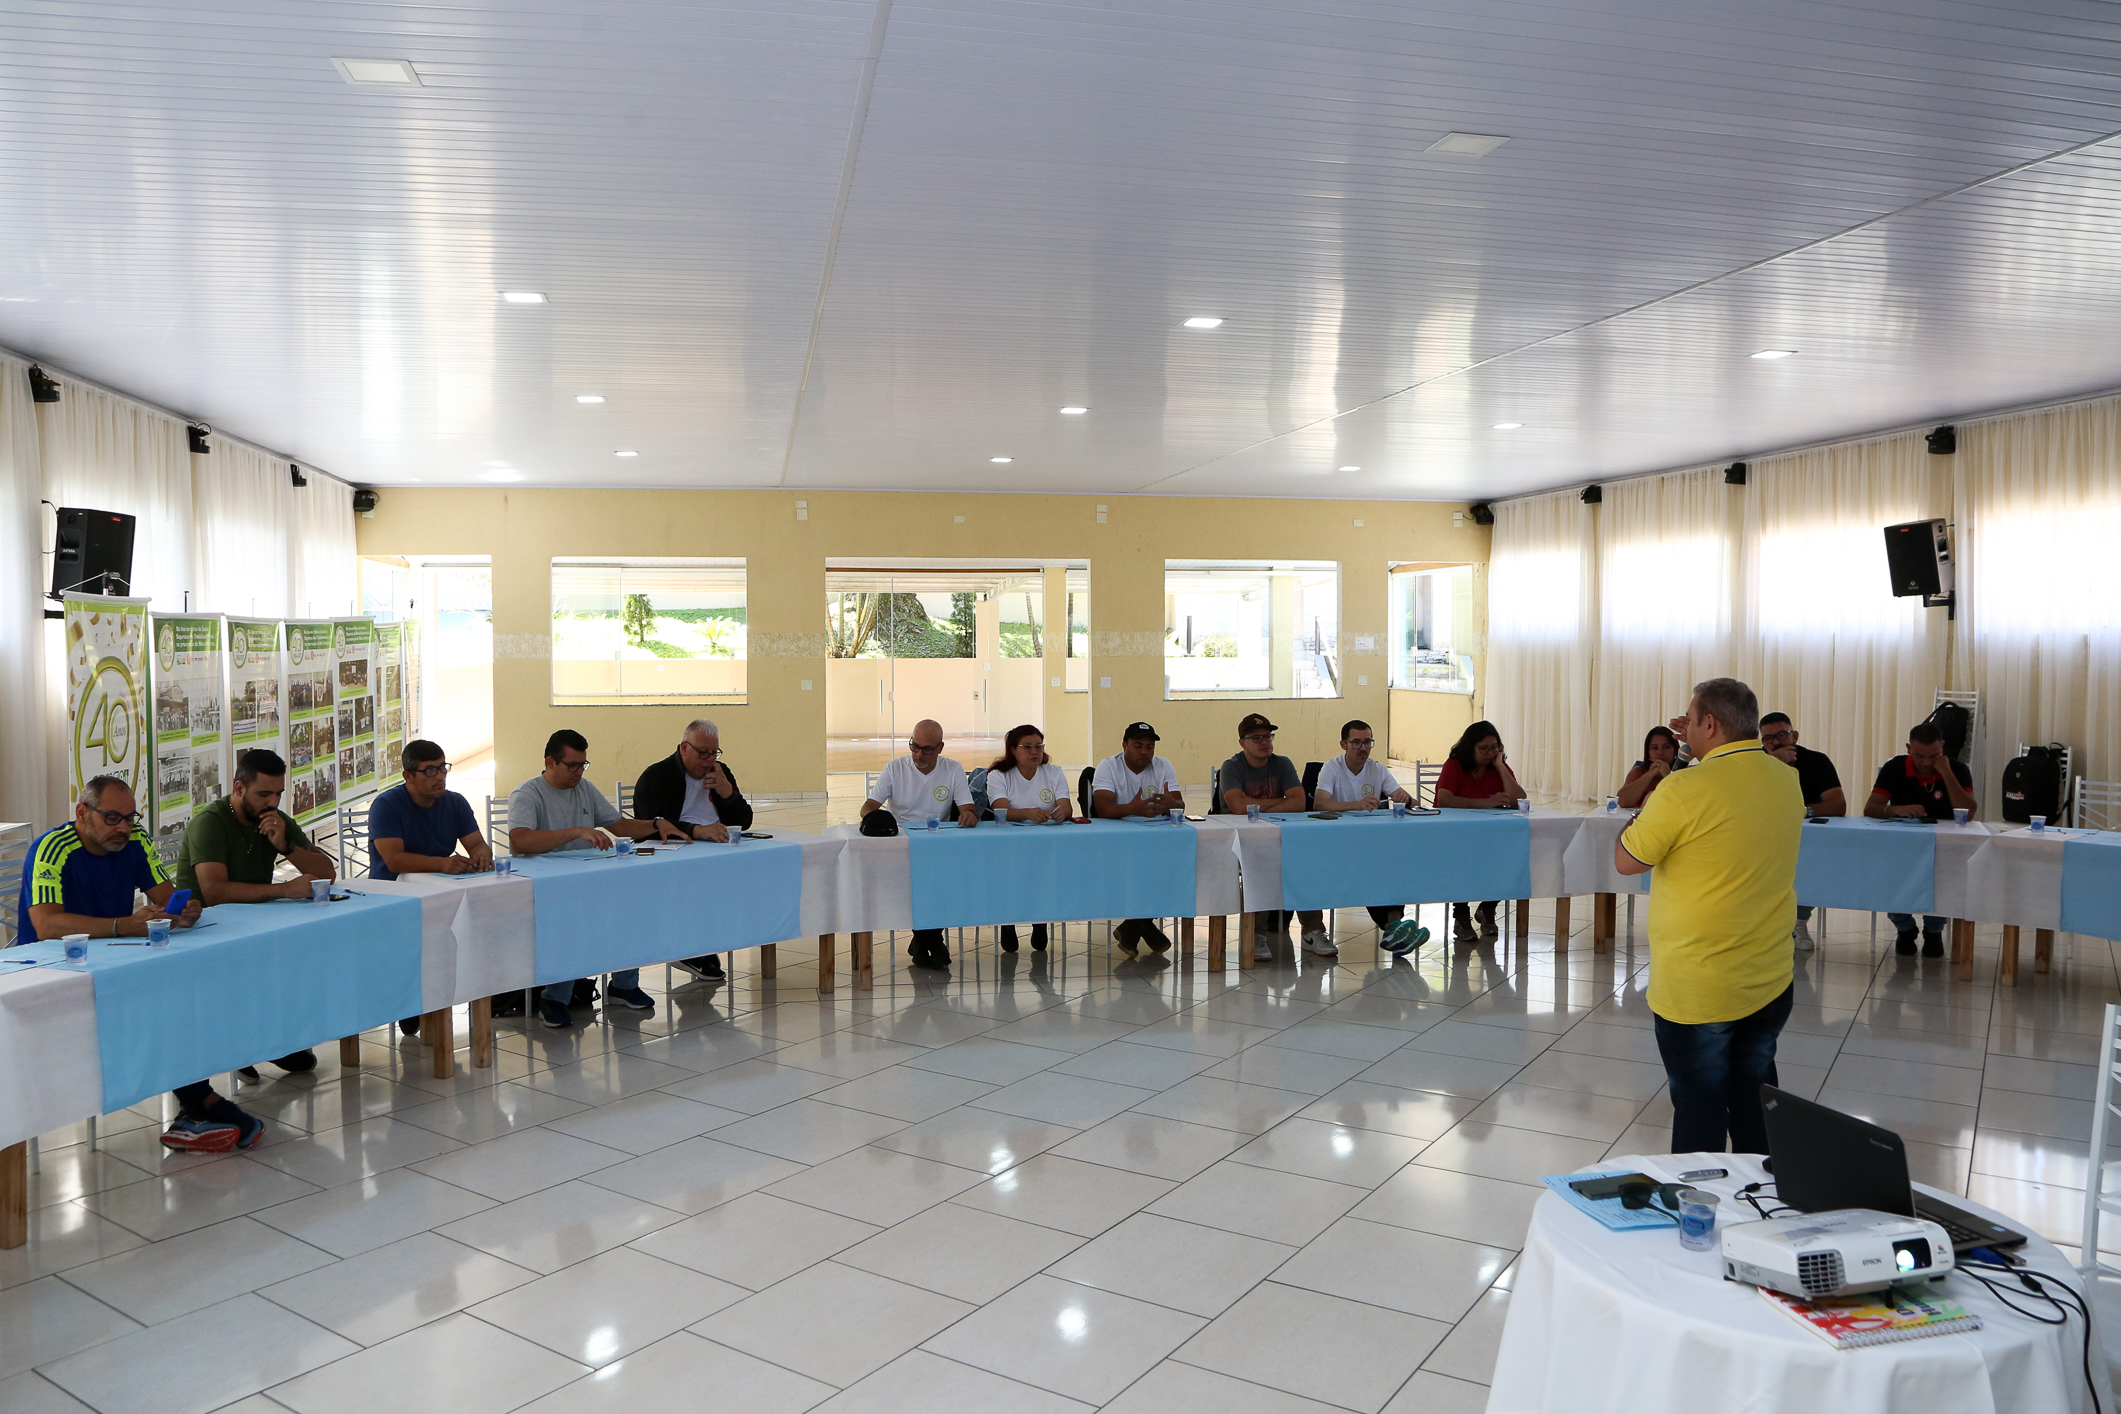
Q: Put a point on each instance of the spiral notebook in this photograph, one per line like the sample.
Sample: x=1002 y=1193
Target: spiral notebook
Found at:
x=1873 y=1318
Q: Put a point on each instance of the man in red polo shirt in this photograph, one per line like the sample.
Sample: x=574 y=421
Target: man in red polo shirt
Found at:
x=1918 y=786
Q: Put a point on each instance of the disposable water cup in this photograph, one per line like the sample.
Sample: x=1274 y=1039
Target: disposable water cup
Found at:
x=76 y=947
x=1252 y=813
x=622 y=845
x=320 y=891
x=1697 y=1220
x=1524 y=806
x=935 y=822
x=504 y=866
x=1612 y=804
x=158 y=932
x=1959 y=817
x=736 y=834
x=1399 y=810
x=2039 y=823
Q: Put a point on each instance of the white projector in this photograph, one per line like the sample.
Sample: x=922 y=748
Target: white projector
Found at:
x=1835 y=1253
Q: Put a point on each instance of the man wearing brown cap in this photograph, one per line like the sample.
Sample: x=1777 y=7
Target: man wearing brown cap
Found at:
x=1257 y=776
x=1136 y=782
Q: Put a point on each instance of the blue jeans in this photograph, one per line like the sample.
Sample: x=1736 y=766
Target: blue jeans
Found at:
x=563 y=992
x=1905 y=922
x=1716 y=1069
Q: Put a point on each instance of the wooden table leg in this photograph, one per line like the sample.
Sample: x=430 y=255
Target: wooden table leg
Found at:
x=827 y=950
x=1185 y=938
x=1524 y=920
x=1561 y=925
x=482 y=1033
x=2010 y=954
x=438 y=1029
x=1963 y=949
x=863 y=962
x=14 y=1195
x=2043 y=948
x=769 y=962
x=1604 y=908
x=1218 y=946
x=350 y=1052
x=1247 y=930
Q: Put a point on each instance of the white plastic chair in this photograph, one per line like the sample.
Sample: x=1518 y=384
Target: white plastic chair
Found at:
x=1426 y=774
x=2098 y=805
x=2096 y=1199
x=497 y=824
x=350 y=826
x=622 y=796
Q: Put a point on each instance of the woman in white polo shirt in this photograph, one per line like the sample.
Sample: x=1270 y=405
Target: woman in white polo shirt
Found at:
x=1023 y=785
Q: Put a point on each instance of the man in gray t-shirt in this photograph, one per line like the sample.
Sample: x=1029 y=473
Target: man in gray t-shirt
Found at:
x=1257 y=776
x=563 y=810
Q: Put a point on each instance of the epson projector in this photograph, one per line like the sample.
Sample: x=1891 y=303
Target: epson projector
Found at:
x=1835 y=1253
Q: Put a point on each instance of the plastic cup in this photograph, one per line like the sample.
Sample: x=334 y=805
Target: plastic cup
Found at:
x=1697 y=1219
x=1399 y=810
x=1612 y=805
x=504 y=866
x=320 y=891
x=1959 y=817
x=2039 y=823
x=76 y=947
x=1524 y=805
x=935 y=822
x=158 y=932
x=736 y=834
x=1252 y=813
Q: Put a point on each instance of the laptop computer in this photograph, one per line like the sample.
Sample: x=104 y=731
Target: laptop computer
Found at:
x=1825 y=1159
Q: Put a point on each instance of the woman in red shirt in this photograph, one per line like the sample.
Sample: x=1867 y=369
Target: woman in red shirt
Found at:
x=1660 y=757
x=1477 y=777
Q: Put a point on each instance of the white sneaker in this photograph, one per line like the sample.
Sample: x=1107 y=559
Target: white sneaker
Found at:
x=1803 y=936
x=1318 y=941
x=1263 y=947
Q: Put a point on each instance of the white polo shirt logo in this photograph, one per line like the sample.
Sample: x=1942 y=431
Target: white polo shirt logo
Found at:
x=1045 y=795
x=942 y=792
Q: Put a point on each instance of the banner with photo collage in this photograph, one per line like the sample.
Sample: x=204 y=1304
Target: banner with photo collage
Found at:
x=312 y=722
x=106 y=693
x=389 y=670
x=190 y=725
x=256 y=689
x=353 y=654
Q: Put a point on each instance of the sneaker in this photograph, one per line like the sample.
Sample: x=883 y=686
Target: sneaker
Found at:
x=1124 y=936
x=250 y=1072
x=707 y=966
x=1462 y=924
x=1008 y=939
x=632 y=998
x=585 y=992
x=249 y=1128
x=1404 y=937
x=1317 y=941
x=1933 y=945
x=410 y=1026
x=1484 y=919
x=507 y=1003
x=253 y=1131
x=937 y=959
x=1155 y=938
x=1038 y=937
x=201 y=1136
x=298 y=1062
x=1263 y=947
x=554 y=1015
x=1802 y=936
x=1905 y=943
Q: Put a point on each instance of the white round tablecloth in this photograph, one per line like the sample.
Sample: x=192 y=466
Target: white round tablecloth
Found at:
x=1630 y=1322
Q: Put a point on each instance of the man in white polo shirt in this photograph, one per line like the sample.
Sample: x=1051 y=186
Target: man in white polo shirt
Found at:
x=1136 y=782
x=1354 y=781
x=919 y=786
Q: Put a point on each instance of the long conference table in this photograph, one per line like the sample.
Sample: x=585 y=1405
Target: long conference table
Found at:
x=260 y=980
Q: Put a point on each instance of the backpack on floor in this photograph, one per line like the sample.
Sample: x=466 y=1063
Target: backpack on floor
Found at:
x=2033 y=785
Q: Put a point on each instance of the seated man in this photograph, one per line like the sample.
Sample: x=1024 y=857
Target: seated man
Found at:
x=232 y=848
x=1918 y=786
x=694 y=788
x=562 y=809
x=416 y=826
x=1256 y=776
x=1136 y=782
x=917 y=787
x=1819 y=781
x=80 y=878
x=1353 y=781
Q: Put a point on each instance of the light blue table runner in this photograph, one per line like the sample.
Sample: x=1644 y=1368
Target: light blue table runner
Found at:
x=1869 y=865
x=1371 y=858
x=2091 y=885
x=1032 y=873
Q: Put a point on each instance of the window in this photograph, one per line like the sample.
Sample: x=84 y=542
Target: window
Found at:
x=1022 y=618
x=647 y=631
x=1432 y=628
x=1237 y=629
x=882 y=623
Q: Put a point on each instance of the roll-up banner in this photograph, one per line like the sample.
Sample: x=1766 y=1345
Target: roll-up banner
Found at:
x=190 y=723
x=353 y=649
x=255 y=689
x=389 y=674
x=312 y=721
x=108 y=733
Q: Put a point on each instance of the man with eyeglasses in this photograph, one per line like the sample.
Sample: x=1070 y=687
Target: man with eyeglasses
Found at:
x=1354 y=780
x=1256 y=775
x=916 y=787
x=1821 y=785
x=693 y=787
x=562 y=809
x=81 y=878
x=416 y=826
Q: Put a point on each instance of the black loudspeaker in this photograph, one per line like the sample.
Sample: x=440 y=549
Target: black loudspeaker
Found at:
x=1919 y=554
x=1592 y=495
x=94 y=554
x=1483 y=513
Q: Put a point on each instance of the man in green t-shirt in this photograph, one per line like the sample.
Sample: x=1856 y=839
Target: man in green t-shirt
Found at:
x=232 y=847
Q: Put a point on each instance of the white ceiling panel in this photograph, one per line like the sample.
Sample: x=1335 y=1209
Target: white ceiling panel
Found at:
x=195 y=207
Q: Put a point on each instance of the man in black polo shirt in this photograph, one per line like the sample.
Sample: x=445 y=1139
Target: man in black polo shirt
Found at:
x=1821 y=785
x=692 y=787
x=1918 y=786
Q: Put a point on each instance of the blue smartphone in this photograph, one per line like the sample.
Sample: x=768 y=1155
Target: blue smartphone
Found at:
x=178 y=902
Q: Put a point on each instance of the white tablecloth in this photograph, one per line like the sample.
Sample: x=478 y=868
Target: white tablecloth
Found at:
x=47 y=1051
x=2016 y=877
x=478 y=935
x=1632 y=1323
x=1587 y=863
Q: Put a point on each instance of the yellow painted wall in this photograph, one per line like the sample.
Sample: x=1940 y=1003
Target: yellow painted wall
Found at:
x=776 y=742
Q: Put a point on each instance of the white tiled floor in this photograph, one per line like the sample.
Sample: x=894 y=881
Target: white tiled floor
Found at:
x=1047 y=1182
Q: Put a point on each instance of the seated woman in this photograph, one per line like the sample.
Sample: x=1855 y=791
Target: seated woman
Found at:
x=1023 y=785
x=1477 y=777
x=1660 y=757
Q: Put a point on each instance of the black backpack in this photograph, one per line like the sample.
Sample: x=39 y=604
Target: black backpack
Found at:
x=2033 y=785
x=1956 y=723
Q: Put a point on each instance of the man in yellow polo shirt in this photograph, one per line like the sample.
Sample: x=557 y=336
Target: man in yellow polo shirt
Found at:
x=1723 y=839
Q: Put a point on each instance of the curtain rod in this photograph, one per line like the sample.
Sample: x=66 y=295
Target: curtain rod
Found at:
x=186 y=418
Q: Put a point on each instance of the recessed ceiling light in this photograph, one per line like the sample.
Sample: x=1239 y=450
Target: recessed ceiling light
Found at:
x=1073 y=412
x=589 y=397
x=1351 y=468
x=500 y=476
x=1001 y=461
x=396 y=72
x=1774 y=353
x=1467 y=144
x=625 y=454
x=1507 y=426
x=522 y=297
x=1204 y=321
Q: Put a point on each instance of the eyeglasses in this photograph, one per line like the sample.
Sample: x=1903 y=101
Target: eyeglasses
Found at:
x=703 y=755
x=919 y=750
x=1362 y=741
x=1777 y=736
x=439 y=768
x=575 y=766
x=1258 y=736
x=120 y=817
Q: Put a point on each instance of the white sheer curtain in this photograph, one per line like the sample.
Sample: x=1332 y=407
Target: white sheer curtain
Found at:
x=1664 y=600
x=1824 y=638
x=2039 y=516
x=112 y=454
x=24 y=721
x=244 y=508
x=1540 y=621
x=324 y=571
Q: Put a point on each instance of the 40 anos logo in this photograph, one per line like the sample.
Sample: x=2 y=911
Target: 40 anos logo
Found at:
x=166 y=646
x=103 y=725
x=239 y=647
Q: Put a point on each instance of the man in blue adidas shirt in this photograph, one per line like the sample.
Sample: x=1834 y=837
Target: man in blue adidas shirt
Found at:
x=81 y=878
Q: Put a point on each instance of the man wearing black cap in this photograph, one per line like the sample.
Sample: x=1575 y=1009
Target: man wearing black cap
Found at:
x=1257 y=776
x=1136 y=782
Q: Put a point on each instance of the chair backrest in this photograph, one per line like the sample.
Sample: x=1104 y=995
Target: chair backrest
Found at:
x=10 y=889
x=2098 y=805
x=976 y=782
x=350 y=826
x=497 y=824
x=1082 y=789
x=869 y=784
x=1215 y=792
x=1425 y=776
x=622 y=797
x=1311 y=770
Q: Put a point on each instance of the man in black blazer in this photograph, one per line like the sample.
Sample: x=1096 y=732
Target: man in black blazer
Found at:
x=693 y=789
